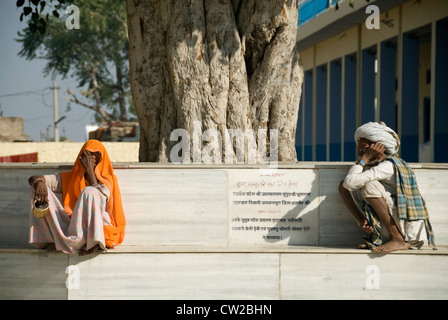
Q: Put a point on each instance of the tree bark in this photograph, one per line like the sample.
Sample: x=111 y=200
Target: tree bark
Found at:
x=120 y=90
x=227 y=64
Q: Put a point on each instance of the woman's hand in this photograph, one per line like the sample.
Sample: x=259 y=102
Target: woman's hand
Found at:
x=40 y=188
x=89 y=161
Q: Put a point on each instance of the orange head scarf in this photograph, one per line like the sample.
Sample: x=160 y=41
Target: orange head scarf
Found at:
x=73 y=183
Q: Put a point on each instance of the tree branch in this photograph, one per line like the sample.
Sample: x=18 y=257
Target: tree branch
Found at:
x=102 y=113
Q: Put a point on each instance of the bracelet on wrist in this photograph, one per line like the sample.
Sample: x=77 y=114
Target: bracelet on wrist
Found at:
x=38 y=179
x=361 y=162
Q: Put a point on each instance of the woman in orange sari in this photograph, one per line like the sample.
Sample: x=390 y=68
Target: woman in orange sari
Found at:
x=90 y=216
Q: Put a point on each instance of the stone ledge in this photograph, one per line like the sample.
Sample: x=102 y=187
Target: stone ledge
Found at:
x=266 y=249
x=154 y=165
x=147 y=249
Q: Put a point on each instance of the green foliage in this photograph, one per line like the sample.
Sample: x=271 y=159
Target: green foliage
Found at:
x=39 y=17
x=96 y=54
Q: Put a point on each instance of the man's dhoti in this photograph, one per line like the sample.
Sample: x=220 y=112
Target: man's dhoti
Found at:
x=412 y=231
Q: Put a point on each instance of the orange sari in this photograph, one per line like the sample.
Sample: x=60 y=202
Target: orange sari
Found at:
x=73 y=183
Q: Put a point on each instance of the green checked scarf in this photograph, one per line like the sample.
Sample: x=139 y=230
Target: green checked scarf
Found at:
x=410 y=204
x=372 y=240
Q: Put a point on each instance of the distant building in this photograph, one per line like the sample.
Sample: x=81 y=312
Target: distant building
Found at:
x=118 y=131
x=355 y=73
x=11 y=129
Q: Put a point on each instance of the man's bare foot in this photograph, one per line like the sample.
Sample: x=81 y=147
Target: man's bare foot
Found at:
x=363 y=246
x=392 y=245
x=51 y=248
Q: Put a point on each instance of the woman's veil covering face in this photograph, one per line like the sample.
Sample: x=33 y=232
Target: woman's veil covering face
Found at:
x=73 y=183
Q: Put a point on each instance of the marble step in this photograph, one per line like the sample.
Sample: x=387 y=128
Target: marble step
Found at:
x=224 y=273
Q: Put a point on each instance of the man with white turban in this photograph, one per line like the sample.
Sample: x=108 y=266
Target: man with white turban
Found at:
x=379 y=132
x=381 y=191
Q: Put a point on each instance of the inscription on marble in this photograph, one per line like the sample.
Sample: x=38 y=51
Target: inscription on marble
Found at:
x=273 y=206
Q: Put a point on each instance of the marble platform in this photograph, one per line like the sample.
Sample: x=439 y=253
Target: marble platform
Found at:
x=225 y=205
x=225 y=232
x=224 y=273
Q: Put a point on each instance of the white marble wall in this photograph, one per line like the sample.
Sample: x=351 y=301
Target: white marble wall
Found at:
x=200 y=276
x=35 y=276
x=364 y=277
x=185 y=215
x=337 y=227
x=172 y=205
x=15 y=202
x=299 y=274
x=433 y=184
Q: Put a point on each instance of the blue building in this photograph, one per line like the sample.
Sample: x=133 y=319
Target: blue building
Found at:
x=360 y=67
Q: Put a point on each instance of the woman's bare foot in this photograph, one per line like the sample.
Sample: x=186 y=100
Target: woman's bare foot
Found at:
x=93 y=249
x=84 y=252
x=392 y=245
x=51 y=248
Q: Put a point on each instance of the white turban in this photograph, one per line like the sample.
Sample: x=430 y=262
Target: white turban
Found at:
x=379 y=132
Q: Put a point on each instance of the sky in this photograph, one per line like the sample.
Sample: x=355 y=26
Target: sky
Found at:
x=25 y=91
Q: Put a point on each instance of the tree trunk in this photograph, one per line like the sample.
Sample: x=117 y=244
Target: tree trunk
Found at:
x=121 y=95
x=224 y=64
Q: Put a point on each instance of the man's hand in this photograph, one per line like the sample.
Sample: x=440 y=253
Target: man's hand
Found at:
x=373 y=152
x=366 y=227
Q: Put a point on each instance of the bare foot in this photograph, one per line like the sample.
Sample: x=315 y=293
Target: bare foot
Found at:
x=84 y=252
x=51 y=248
x=363 y=246
x=93 y=249
x=392 y=245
